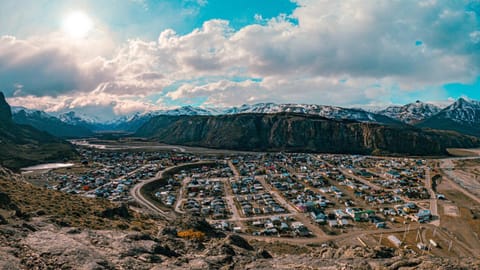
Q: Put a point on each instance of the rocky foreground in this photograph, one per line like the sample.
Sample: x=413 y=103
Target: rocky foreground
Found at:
x=43 y=229
x=40 y=245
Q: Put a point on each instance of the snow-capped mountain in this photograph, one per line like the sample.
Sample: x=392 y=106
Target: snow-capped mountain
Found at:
x=464 y=111
x=462 y=116
x=331 y=112
x=411 y=113
x=77 y=119
x=133 y=122
x=18 y=109
x=190 y=110
x=49 y=123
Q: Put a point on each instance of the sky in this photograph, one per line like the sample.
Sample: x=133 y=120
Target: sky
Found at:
x=116 y=57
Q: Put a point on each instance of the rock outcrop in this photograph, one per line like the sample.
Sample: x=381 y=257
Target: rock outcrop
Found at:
x=301 y=133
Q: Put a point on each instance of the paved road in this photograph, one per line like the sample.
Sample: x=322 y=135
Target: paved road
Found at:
x=138 y=196
x=255 y=217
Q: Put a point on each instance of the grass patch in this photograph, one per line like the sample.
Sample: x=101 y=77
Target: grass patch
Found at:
x=71 y=210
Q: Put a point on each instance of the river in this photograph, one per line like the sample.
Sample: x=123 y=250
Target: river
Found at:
x=47 y=166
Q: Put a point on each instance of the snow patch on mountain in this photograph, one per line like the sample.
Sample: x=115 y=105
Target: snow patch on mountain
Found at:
x=411 y=113
x=463 y=111
x=29 y=112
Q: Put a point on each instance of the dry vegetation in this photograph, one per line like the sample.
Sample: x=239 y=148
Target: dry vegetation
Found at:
x=192 y=235
x=70 y=210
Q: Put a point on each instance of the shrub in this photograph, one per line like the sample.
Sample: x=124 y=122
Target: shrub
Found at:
x=191 y=235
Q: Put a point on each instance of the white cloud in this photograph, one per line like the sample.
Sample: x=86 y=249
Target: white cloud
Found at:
x=372 y=44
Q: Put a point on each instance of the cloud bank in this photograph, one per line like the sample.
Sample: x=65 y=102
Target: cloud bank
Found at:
x=326 y=52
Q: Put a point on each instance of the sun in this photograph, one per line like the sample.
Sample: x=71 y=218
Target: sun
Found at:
x=77 y=24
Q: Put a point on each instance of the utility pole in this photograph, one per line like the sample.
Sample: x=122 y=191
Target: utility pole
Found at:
x=450 y=245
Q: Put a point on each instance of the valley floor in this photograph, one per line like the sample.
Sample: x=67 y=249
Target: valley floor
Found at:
x=285 y=203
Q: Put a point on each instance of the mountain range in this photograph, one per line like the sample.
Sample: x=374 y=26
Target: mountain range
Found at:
x=26 y=136
x=300 y=133
x=462 y=116
x=23 y=145
x=55 y=126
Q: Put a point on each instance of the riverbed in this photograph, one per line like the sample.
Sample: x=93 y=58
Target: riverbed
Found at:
x=47 y=166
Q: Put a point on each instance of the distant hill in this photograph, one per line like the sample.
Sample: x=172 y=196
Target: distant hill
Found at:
x=23 y=145
x=300 y=132
x=45 y=122
x=462 y=116
x=411 y=113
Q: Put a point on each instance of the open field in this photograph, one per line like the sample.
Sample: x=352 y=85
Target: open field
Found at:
x=462 y=152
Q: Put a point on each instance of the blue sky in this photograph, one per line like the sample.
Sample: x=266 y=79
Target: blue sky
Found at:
x=122 y=57
x=136 y=18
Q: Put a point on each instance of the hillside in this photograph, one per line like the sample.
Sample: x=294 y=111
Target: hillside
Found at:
x=299 y=132
x=48 y=123
x=22 y=145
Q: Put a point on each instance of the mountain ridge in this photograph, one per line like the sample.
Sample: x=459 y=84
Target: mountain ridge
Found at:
x=411 y=113
x=23 y=145
x=462 y=116
x=295 y=132
x=455 y=117
x=49 y=123
x=132 y=123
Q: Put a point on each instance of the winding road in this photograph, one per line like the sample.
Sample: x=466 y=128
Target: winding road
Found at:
x=138 y=196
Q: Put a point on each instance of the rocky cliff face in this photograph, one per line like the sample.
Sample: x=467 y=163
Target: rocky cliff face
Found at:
x=295 y=132
x=5 y=111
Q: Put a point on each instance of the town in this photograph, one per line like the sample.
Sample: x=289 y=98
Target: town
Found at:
x=279 y=195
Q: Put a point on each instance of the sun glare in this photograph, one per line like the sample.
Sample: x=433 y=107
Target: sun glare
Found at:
x=77 y=24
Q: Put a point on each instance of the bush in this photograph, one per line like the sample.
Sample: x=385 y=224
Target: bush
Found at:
x=191 y=235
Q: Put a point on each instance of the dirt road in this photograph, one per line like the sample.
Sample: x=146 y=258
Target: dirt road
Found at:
x=433 y=198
